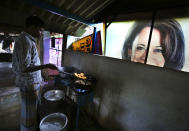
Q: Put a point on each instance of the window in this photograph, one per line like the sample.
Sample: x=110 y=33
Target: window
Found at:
x=55 y=51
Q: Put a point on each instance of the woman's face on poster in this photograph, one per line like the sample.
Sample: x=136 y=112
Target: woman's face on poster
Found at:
x=155 y=56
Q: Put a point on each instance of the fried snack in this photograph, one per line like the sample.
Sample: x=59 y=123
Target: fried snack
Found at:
x=80 y=76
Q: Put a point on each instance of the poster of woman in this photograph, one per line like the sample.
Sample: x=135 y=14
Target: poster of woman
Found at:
x=167 y=47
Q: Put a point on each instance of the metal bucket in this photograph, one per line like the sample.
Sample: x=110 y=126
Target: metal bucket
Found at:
x=54 y=122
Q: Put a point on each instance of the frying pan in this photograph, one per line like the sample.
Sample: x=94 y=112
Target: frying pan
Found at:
x=66 y=72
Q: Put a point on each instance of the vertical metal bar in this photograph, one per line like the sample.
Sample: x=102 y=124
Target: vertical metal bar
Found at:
x=57 y=51
x=93 y=40
x=64 y=45
x=150 y=36
x=41 y=49
x=104 y=30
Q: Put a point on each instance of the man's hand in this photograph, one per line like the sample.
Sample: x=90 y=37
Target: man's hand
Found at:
x=51 y=66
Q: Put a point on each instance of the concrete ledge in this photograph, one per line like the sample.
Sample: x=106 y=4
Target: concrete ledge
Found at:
x=9 y=99
x=8 y=91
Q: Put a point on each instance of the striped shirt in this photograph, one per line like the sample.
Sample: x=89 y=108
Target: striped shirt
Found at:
x=25 y=55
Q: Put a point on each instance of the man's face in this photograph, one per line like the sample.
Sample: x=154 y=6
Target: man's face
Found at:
x=37 y=31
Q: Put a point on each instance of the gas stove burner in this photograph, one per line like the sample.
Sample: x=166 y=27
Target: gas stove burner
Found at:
x=80 y=90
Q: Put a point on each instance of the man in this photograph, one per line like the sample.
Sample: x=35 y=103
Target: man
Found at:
x=27 y=67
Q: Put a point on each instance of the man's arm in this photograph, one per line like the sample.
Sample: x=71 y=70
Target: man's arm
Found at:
x=40 y=67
